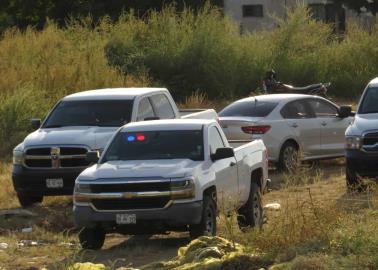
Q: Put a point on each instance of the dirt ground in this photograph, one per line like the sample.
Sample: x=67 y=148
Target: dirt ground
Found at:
x=55 y=240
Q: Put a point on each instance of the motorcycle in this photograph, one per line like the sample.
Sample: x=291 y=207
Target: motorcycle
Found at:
x=272 y=86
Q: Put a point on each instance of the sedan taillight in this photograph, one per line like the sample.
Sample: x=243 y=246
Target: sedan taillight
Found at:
x=256 y=129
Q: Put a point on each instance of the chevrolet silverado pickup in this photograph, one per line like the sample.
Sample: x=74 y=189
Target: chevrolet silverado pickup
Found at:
x=169 y=175
x=362 y=140
x=48 y=161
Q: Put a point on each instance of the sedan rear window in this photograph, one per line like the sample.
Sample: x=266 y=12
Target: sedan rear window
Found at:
x=369 y=103
x=249 y=109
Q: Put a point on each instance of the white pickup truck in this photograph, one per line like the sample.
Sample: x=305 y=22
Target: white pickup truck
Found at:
x=48 y=161
x=165 y=175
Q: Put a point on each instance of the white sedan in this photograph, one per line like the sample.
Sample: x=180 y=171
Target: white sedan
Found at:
x=289 y=124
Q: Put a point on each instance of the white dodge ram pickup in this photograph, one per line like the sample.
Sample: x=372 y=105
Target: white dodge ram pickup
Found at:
x=48 y=161
x=158 y=176
x=362 y=140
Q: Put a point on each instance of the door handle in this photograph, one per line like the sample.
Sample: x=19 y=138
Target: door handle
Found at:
x=294 y=125
x=324 y=124
x=232 y=164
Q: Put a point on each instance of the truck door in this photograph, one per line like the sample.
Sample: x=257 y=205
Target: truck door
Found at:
x=225 y=171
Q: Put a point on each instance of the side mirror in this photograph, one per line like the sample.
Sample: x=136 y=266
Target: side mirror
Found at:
x=35 y=123
x=93 y=156
x=345 y=111
x=222 y=153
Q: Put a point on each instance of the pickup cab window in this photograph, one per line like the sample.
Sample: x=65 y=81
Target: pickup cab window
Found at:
x=151 y=145
x=162 y=107
x=104 y=113
x=215 y=140
x=369 y=103
x=145 y=110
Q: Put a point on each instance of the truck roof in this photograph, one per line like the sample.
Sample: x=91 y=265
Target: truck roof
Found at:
x=113 y=93
x=171 y=124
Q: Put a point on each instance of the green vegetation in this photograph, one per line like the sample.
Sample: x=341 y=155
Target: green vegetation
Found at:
x=189 y=52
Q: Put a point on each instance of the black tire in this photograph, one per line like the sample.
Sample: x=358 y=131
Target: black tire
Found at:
x=288 y=159
x=26 y=200
x=352 y=181
x=252 y=213
x=92 y=238
x=208 y=225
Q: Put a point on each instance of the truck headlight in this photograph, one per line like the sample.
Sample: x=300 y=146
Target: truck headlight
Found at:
x=182 y=189
x=353 y=142
x=18 y=157
x=79 y=193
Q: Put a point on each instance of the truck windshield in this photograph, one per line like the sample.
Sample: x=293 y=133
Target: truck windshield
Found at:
x=104 y=113
x=369 y=103
x=150 y=145
x=249 y=109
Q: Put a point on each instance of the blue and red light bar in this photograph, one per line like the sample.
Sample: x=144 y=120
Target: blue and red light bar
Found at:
x=138 y=137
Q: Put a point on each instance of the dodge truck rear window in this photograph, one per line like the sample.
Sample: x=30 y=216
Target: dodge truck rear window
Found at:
x=150 y=145
x=103 y=113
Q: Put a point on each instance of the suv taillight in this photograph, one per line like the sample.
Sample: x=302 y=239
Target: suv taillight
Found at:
x=256 y=129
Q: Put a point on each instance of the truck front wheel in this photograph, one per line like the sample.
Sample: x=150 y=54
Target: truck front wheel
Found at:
x=26 y=200
x=92 y=238
x=352 y=181
x=251 y=214
x=208 y=225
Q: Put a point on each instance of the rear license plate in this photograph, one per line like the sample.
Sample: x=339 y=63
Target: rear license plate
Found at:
x=126 y=219
x=54 y=183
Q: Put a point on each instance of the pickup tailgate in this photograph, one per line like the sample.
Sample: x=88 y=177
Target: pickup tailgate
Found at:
x=198 y=114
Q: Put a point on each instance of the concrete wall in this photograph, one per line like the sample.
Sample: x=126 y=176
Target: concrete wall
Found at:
x=271 y=8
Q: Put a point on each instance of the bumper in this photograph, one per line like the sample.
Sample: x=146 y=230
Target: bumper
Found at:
x=159 y=220
x=33 y=182
x=363 y=163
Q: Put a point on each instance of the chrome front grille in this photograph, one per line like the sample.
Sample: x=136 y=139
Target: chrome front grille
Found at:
x=370 y=142
x=56 y=157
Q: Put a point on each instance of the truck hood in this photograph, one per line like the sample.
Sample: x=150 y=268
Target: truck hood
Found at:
x=363 y=123
x=93 y=137
x=173 y=168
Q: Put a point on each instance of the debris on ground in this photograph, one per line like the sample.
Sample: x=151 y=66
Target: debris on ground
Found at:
x=211 y=253
x=28 y=243
x=27 y=230
x=17 y=212
x=87 y=266
x=204 y=253
x=273 y=206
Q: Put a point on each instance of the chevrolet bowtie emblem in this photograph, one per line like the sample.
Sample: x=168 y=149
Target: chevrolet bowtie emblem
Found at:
x=128 y=195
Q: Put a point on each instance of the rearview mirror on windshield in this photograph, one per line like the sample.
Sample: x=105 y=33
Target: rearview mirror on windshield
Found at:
x=93 y=156
x=35 y=123
x=345 y=111
x=222 y=153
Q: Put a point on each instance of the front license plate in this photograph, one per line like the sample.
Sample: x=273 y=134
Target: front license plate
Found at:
x=126 y=219
x=54 y=183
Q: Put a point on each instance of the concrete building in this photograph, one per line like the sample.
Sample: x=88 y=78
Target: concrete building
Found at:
x=254 y=15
